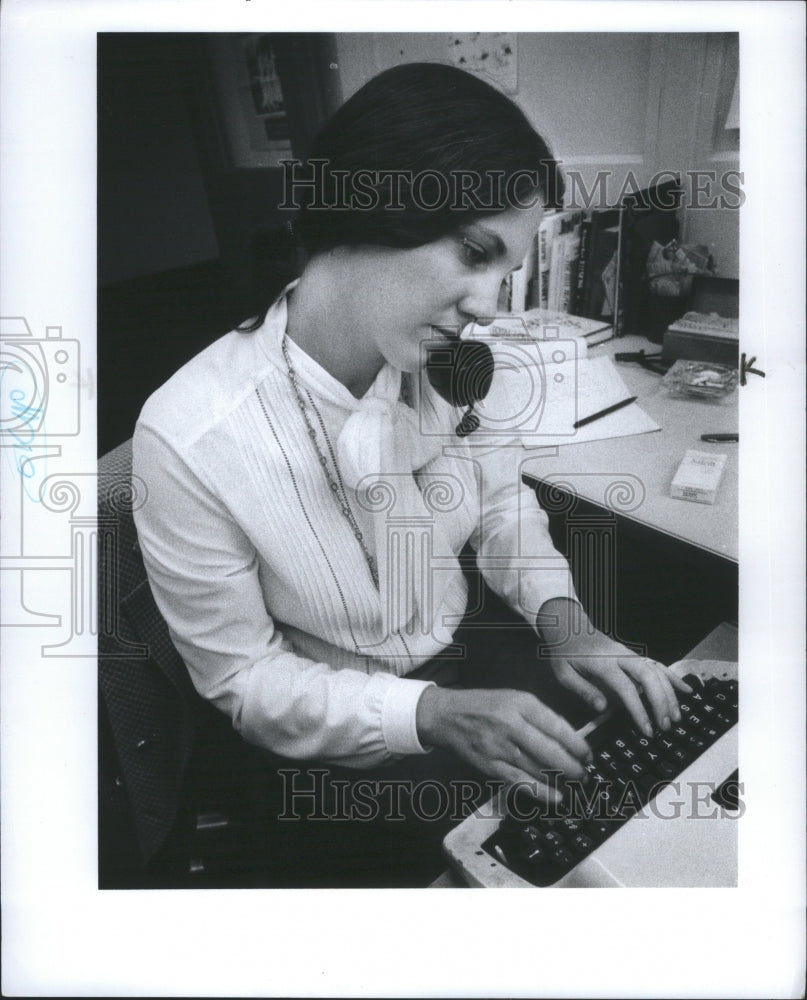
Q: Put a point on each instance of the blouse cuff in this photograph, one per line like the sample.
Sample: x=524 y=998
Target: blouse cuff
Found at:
x=398 y=715
x=537 y=629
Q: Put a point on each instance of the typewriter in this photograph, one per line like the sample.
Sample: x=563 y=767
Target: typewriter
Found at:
x=654 y=811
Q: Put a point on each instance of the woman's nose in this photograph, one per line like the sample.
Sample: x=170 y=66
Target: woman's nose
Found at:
x=480 y=303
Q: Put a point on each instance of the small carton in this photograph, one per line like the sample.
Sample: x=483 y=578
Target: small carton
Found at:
x=698 y=477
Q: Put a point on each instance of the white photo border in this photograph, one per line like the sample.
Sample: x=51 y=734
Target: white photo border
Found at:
x=62 y=936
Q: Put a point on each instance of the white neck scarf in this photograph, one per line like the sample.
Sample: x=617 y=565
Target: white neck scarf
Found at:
x=379 y=448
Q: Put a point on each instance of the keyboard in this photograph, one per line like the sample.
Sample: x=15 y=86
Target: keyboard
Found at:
x=525 y=842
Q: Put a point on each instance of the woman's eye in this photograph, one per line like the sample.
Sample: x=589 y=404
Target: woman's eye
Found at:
x=473 y=253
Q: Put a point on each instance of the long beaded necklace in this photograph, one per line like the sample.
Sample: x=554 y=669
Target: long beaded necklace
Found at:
x=338 y=492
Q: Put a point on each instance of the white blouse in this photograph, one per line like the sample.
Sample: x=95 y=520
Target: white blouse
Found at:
x=261 y=579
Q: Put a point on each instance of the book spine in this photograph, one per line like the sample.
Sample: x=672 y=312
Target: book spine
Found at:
x=602 y=245
x=587 y=307
x=544 y=252
x=578 y=300
x=557 y=266
x=572 y=257
x=534 y=279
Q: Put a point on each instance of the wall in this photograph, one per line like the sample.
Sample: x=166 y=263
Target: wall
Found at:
x=153 y=213
x=613 y=102
x=567 y=85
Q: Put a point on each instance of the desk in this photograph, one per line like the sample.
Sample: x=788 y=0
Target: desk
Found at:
x=647 y=462
x=651 y=571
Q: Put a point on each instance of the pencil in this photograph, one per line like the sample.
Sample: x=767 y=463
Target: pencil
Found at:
x=605 y=412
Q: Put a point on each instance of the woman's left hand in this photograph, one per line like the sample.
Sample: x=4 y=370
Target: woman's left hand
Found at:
x=592 y=665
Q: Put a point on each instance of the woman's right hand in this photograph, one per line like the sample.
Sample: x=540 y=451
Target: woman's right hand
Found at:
x=505 y=734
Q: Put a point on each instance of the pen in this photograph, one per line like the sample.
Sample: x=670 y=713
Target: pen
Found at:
x=605 y=412
x=720 y=437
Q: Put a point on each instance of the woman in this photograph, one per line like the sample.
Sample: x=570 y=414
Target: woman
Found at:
x=310 y=498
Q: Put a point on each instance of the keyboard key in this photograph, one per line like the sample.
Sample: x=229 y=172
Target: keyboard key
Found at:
x=649 y=786
x=650 y=757
x=601 y=829
x=535 y=856
x=697 y=744
x=563 y=858
x=667 y=769
x=694 y=682
x=582 y=844
x=614 y=772
x=530 y=836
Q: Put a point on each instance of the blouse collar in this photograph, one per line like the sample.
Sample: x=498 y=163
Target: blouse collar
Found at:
x=320 y=381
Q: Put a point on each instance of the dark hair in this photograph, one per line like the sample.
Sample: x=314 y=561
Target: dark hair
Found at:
x=410 y=134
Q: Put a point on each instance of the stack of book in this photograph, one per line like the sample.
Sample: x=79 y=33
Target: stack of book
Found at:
x=592 y=263
x=547 y=324
x=703 y=337
x=567 y=268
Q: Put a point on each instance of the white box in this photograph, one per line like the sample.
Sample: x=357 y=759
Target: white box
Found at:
x=698 y=477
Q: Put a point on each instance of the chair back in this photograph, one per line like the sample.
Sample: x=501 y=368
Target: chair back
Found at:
x=145 y=691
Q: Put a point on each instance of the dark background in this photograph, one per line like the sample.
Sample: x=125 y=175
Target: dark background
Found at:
x=176 y=215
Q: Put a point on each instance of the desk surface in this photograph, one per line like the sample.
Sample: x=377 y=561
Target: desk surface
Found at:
x=647 y=462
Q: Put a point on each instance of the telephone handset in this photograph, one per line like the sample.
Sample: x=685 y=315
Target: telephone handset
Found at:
x=461 y=371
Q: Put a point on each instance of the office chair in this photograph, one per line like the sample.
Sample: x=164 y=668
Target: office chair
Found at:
x=182 y=800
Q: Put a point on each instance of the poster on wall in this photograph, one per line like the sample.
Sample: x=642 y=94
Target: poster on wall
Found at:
x=492 y=53
x=248 y=77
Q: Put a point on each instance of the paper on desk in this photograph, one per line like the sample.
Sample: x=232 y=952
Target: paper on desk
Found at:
x=540 y=396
